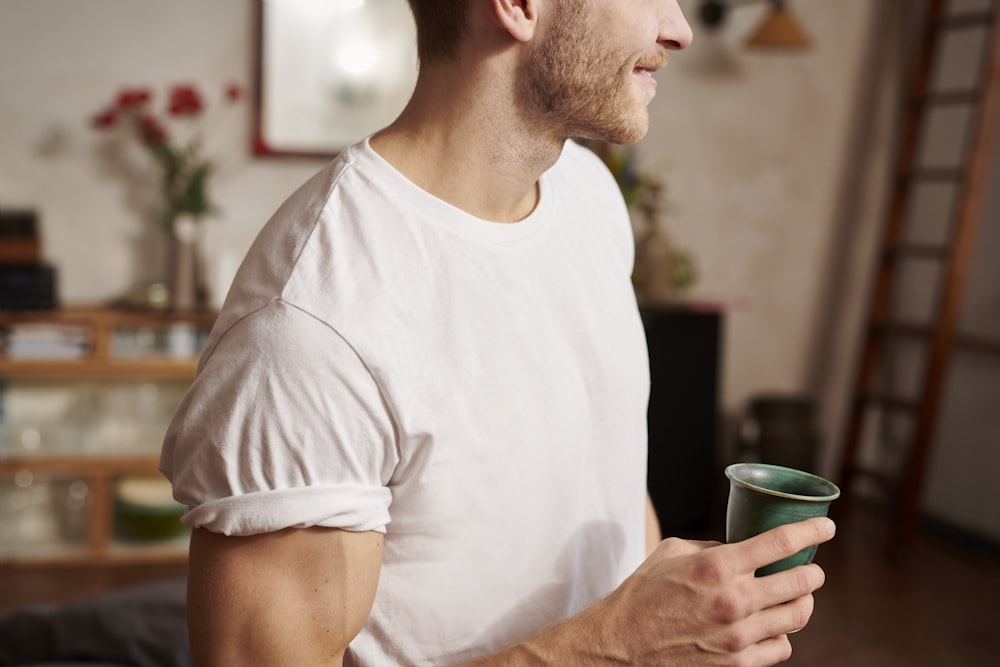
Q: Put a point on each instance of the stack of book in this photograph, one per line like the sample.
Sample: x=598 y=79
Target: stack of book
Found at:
x=26 y=282
x=44 y=340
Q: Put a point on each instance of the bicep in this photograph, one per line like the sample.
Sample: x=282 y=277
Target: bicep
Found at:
x=293 y=597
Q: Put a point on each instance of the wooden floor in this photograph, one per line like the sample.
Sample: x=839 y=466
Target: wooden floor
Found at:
x=936 y=606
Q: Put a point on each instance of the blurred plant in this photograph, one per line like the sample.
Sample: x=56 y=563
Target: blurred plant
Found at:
x=184 y=167
x=645 y=195
x=637 y=187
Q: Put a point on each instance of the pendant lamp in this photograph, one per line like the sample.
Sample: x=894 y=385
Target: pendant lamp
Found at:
x=779 y=30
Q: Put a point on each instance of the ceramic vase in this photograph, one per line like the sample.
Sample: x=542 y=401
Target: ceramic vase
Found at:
x=653 y=267
x=185 y=278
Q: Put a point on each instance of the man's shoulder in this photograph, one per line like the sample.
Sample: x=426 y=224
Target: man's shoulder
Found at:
x=315 y=191
x=340 y=190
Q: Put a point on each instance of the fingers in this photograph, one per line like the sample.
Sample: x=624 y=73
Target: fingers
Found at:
x=782 y=542
x=784 y=602
x=763 y=638
x=786 y=619
x=795 y=583
x=768 y=652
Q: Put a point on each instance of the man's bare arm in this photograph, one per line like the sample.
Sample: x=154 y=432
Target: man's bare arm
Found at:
x=294 y=597
x=298 y=597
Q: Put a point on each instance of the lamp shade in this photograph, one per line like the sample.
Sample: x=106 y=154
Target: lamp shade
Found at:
x=779 y=30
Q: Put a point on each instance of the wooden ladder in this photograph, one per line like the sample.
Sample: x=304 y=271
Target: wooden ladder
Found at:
x=902 y=481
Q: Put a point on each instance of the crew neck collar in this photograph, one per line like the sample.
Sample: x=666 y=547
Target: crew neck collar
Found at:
x=454 y=219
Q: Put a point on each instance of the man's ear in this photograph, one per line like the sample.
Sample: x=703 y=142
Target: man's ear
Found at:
x=517 y=17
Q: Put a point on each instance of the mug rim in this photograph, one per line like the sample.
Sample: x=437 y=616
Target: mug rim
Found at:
x=730 y=473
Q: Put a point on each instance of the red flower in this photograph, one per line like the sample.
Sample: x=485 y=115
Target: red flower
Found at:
x=133 y=97
x=106 y=119
x=185 y=100
x=185 y=169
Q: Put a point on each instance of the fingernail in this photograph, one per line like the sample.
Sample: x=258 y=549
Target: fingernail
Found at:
x=829 y=527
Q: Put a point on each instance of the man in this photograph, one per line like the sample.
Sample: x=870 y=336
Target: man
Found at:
x=417 y=435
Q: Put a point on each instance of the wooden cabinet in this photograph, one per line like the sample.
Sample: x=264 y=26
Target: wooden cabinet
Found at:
x=685 y=364
x=85 y=396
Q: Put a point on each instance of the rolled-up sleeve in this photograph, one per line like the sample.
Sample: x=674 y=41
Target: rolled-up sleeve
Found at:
x=284 y=426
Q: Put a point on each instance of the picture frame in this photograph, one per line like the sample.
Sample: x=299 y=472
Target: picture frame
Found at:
x=328 y=73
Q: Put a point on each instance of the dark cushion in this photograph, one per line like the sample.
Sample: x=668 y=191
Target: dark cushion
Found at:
x=143 y=626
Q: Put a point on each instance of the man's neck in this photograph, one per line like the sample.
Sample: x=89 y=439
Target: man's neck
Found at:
x=462 y=140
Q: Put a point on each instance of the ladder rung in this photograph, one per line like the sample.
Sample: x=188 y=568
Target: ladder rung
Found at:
x=978 y=344
x=891 y=402
x=951 y=97
x=968 y=19
x=917 y=251
x=903 y=329
x=937 y=174
x=970 y=342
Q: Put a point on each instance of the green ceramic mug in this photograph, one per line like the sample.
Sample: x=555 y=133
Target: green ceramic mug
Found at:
x=763 y=496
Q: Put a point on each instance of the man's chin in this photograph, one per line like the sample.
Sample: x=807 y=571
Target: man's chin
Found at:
x=626 y=129
x=634 y=136
x=627 y=133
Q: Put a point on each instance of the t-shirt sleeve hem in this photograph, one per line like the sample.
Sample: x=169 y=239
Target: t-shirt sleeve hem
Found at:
x=353 y=507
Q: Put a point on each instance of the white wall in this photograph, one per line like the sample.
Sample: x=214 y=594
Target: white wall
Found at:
x=60 y=62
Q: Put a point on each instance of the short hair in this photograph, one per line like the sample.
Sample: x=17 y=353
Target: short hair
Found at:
x=441 y=25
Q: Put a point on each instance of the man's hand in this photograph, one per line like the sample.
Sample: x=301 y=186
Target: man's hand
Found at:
x=700 y=603
x=693 y=603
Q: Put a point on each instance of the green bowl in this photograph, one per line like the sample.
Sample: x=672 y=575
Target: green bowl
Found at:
x=144 y=510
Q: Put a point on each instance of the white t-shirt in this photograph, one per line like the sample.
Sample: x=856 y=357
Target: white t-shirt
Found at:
x=476 y=390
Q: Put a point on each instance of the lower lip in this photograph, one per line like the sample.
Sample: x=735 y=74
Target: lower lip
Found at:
x=646 y=79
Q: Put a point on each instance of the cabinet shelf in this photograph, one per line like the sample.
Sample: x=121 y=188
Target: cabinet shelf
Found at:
x=149 y=368
x=116 y=553
x=107 y=348
x=77 y=464
x=169 y=352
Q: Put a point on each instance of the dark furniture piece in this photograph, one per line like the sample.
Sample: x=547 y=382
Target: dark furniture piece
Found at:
x=684 y=363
